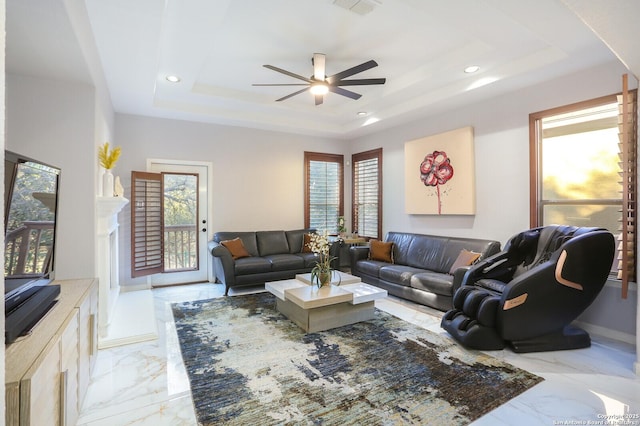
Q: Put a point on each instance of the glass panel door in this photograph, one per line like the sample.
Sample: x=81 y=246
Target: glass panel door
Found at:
x=186 y=221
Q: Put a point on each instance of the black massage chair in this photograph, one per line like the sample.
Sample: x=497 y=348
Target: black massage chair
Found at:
x=527 y=295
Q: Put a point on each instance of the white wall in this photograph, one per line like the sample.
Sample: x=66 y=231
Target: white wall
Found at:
x=258 y=176
x=53 y=121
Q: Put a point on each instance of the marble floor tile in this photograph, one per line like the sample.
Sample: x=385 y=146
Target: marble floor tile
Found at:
x=146 y=383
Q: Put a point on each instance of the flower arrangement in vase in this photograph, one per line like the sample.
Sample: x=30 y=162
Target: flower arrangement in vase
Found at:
x=321 y=273
x=341 y=228
x=108 y=161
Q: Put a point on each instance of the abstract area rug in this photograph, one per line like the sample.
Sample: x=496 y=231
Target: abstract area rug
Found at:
x=249 y=365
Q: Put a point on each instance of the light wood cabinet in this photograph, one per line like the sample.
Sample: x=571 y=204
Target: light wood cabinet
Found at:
x=47 y=372
x=88 y=344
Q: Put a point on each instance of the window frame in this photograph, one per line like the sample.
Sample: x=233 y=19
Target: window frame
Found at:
x=328 y=158
x=626 y=246
x=355 y=158
x=535 y=127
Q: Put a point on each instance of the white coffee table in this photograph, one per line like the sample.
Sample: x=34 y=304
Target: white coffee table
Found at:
x=317 y=309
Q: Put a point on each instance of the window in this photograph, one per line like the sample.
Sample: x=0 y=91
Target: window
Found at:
x=367 y=193
x=576 y=168
x=324 y=200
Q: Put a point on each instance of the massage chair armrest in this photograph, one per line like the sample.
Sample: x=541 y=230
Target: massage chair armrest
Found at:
x=487 y=268
x=223 y=263
x=534 y=304
x=584 y=262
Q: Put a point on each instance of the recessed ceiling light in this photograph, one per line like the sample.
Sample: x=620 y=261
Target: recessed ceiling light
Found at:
x=471 y=69
x=361 y=113
x=173 y=78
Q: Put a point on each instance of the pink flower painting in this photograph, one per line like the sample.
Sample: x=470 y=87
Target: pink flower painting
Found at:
x=436 y=170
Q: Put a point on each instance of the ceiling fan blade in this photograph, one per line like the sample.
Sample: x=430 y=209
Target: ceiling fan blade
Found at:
x=344 y=92
x=319 y=99
x=289 y=73
x=275 y=84
x=360 y=82
x=292 y=94
x=318 y=62
x=351 y=71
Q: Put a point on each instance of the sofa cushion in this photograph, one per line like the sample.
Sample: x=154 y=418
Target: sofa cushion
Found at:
x=434 y=282
x=309 y=259
x=272 y=242
x=236 y=248
x=398 y=274
x=252 y=265
x=431 y=253
x=248 y=240
x=381 y=251
x=401 y=241
x=370 y=267
x=465 y=258
x=284 y=262
x=295 y=239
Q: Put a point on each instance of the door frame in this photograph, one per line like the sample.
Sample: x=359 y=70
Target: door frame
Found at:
x=167 y=163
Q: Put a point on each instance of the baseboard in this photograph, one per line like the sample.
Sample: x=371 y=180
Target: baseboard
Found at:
x=137 y=287
x=134 y=320
x=607 y=332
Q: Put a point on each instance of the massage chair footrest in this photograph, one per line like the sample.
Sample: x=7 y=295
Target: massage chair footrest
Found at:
x=567 y=338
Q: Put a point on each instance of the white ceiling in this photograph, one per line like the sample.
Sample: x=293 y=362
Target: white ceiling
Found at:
x=219 y=47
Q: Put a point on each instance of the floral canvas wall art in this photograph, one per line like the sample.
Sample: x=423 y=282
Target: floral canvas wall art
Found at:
x=440 y=174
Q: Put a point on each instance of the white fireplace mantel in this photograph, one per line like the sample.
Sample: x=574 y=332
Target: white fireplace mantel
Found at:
x=107 y=258
x=108 y=209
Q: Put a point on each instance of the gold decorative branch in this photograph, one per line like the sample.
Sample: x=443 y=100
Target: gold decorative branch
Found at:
x=108 y=158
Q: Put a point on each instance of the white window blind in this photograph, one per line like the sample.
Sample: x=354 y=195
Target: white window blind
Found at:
x=367 y=194
x=627 y=126
x=324 y=199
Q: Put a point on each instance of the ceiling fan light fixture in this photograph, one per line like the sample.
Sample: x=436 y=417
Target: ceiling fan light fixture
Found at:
x=319 y=88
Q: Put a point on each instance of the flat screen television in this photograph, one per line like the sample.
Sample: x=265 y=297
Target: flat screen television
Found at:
x=31 y=206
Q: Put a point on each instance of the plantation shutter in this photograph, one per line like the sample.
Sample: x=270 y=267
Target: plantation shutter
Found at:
x=323 y=191
x=627 y=125
x=146 y=224
x=367 y=193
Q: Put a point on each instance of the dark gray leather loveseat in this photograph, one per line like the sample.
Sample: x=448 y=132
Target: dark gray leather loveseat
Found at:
x=273 y=255
x=421 y=266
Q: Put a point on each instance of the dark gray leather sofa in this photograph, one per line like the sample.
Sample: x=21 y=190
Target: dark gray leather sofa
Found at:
x=420 y=271
x=275 y=255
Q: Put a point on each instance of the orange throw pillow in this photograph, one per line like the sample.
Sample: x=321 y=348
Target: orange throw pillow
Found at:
x=381 y=251
x=236 y=247
x=305 y=243
x=465 y=258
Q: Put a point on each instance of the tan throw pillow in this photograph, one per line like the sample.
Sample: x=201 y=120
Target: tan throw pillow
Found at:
x=305 y=243
x=381 y=251
x=236 y=247
x=465 y=258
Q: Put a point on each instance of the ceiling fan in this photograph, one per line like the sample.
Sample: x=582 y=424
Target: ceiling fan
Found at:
x=319 y=84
